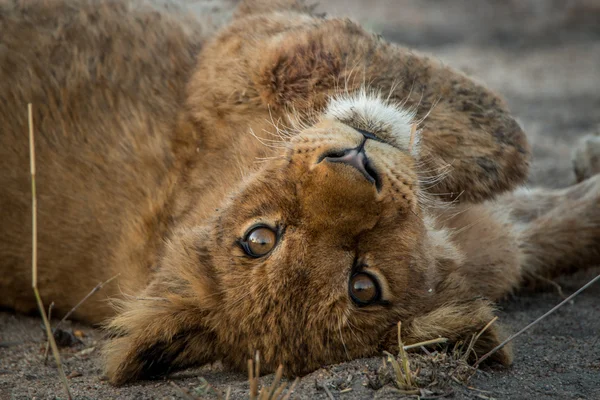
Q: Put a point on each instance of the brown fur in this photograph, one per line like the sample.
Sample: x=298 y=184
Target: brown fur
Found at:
x=147 y=169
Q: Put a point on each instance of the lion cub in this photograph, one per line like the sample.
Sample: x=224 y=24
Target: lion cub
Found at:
x=291 y=184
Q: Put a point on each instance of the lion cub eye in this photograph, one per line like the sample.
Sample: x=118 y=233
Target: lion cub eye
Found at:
x=259 y=241
x=364 y=289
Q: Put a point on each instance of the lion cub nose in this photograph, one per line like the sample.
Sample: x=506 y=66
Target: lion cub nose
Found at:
x=355 y=158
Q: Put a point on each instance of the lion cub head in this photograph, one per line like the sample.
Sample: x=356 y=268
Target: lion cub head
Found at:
x=312 y=260
x=317 y=255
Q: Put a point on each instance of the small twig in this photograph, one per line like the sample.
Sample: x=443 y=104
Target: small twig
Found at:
x=34 y=286
x=228 y=393
x=478 y=390
x=410 y=392
x=439 y=396
x=562 y=303
x=480 y=396
x=327 y=391
x=94 y=290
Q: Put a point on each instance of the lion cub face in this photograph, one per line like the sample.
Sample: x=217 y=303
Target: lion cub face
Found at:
x=321 y=252
x=313 y=260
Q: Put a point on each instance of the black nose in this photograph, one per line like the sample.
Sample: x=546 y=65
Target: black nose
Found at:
x=356 y=158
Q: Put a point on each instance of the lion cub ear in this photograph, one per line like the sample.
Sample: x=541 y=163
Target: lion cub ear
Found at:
x=465 y=323
x=167 y=327
x=154 y=339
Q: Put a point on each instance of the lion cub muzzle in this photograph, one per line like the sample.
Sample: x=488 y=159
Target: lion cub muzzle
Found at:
x=357 y=159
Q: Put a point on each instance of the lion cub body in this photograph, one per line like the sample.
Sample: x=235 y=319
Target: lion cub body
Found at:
x=148 y=129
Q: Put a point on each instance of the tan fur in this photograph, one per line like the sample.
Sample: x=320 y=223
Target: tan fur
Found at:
x=147 y=169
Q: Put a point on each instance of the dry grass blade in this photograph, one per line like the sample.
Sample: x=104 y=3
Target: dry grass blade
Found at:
x=34 y=286
x=404 y=376
x=510 y=338
x=476 y=337
x=425 y=343
x=47 y=350
x=404 y=358
x=94 y=290
x=252 y=380
x=291 y=389
x=279 y=390
x=272 y=392
x=67 y=315
x=267 y=392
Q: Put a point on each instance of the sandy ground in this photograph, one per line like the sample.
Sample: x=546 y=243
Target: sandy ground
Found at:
x=544 y=57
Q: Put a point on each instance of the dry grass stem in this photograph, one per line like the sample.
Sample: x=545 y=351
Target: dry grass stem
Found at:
x=67 y=315
x=425 y=343
x=510 y=338
x=272 y=392
x=94 y=290
x=34 y=286
x=476 y=337
x=47 y=350
x=403 y=375
x=253 y=381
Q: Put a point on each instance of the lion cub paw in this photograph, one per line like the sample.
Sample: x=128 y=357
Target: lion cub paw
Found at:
x=586 y=157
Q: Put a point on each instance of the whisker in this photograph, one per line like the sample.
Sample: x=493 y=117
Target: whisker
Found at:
x=342 y=337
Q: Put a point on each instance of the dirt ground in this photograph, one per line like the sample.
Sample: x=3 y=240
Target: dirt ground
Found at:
x=544 y=57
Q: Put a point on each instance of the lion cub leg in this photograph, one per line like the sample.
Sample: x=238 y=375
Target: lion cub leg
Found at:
x=559 y=230
x=530 y=234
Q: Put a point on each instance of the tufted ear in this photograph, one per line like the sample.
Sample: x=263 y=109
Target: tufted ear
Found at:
x=471 y=147
x=167 y=326
x=459 y=322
